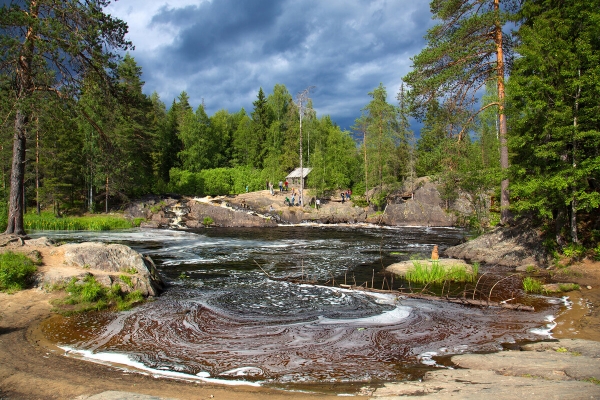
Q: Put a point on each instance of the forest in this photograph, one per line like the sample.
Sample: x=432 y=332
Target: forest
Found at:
x=507 y=93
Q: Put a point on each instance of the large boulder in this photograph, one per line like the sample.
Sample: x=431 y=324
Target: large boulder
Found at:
x=116 y=261
x=423 y=209
x=513 y=246
x=223 y=216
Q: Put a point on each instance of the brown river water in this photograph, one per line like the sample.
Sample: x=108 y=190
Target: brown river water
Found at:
x=225 y=319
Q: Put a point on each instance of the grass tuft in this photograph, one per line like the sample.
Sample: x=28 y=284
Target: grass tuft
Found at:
x=89 y=295
x=532 y=285
x=422 y=274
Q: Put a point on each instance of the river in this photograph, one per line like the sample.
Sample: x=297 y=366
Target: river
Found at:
x=229 y=315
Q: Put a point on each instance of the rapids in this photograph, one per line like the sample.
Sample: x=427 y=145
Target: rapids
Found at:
x=227 y=315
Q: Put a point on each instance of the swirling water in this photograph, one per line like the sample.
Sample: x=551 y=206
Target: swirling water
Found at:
x=227 y=314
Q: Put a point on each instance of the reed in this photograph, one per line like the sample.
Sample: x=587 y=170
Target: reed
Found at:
x=424 y=274
x=46 y=221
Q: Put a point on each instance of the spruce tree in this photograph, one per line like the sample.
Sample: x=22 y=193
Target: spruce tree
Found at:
x=554 y=88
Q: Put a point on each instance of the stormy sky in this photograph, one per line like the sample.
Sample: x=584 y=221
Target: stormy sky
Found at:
x=223 y=51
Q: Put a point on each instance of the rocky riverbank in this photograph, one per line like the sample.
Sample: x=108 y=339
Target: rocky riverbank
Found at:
x=419 y=207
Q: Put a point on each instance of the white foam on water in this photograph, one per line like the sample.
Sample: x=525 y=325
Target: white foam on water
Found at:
x=545 y=330
x=427 y=358
x=243 y=371
x=391 y=317
x=122 y=359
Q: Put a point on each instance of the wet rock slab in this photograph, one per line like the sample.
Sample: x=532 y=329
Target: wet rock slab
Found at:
x=565 y=369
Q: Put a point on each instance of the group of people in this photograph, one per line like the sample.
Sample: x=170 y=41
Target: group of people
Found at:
x=346 y=195
x=291 y=202
x=283 y=186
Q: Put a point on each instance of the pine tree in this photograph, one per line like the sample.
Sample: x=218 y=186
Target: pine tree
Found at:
x=50 y=45
x=465 y=51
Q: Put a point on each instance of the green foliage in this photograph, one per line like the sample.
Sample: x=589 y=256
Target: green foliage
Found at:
x=207 y=221
x=423 y=274
x=359 y=201
x=379 y=200
x=157 y=207
x=574 y=250
x=567 y=287
x=89 y=295
x=555 y=130
x=47 y=221
x=596 y=252
x=532 y=285
x=3 y=210
x=217 y=181
x=16 y=271
x=127 y=280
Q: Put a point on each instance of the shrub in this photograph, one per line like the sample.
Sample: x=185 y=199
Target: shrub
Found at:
x=16 y=271
x=208 y=221
x=574 y=250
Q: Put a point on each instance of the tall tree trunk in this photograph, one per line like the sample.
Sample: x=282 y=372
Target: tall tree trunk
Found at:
x=505 y=215
x=37 y=165
x=106 y=198
x=574 y=237
x=25 y=87
x=366 y=167
x=15 y=202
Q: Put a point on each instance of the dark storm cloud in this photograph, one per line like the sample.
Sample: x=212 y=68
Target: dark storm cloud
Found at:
x=222 y=51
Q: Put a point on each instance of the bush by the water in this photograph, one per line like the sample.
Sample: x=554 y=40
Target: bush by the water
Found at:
x=47 y=221
x=16 y=271
x=89 y=295
x=423 y=274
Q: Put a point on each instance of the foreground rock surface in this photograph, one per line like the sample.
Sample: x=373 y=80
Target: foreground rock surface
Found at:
x=565 y=369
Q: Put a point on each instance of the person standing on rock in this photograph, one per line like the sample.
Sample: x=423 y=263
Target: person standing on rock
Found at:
x=317 y=203
x=343 y=197
x=286 y=185
x=271 y=189
x=280 y=186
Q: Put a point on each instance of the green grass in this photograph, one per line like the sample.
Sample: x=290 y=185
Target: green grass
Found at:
x=532 y=285
x=16 y=271
x=568 y=287
x=89 y=295
x=423 y=274
x=46 y=221
x=208 y=221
